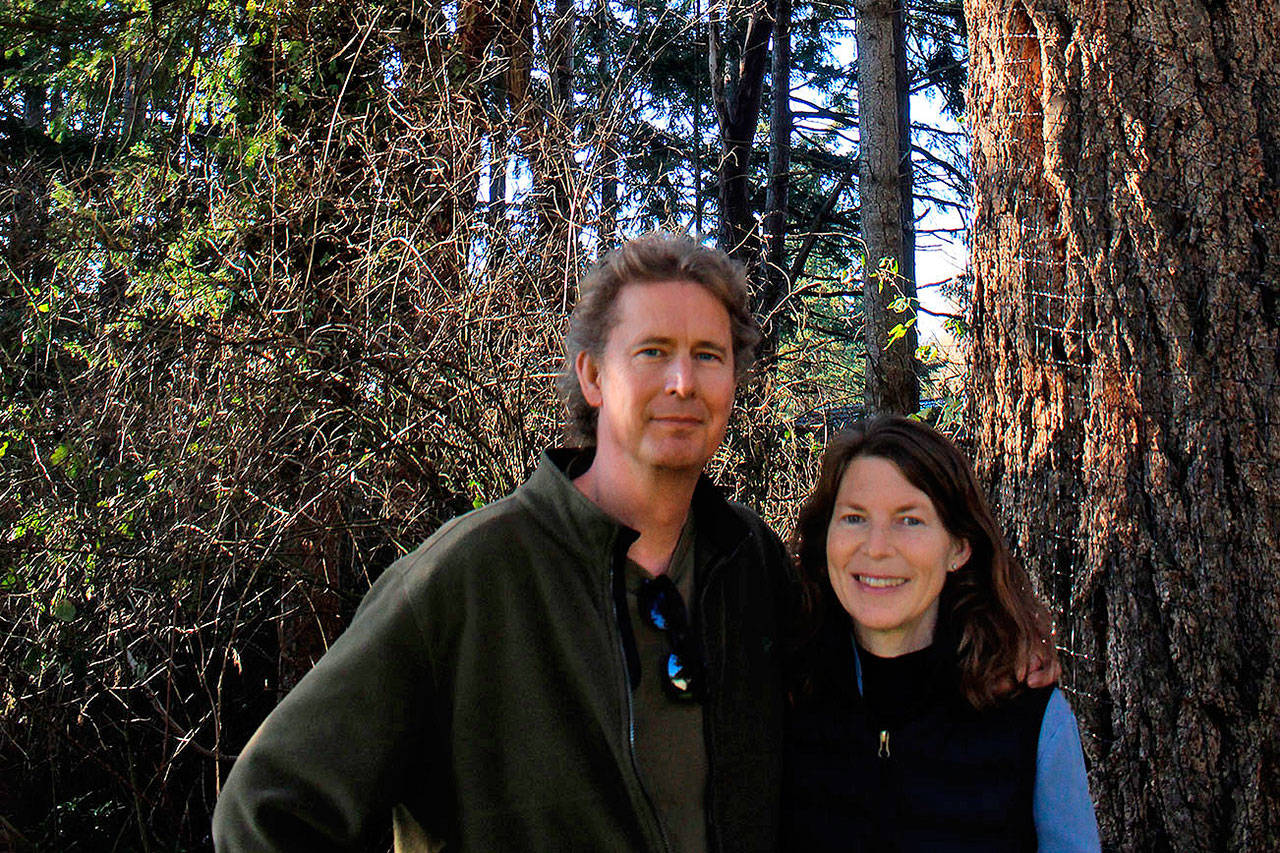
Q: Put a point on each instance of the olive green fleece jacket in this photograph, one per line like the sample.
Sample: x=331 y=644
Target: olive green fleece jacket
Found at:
x=481 y=694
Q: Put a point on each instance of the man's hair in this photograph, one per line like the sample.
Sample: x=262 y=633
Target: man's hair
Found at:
x=988 y=614
x=653 y=258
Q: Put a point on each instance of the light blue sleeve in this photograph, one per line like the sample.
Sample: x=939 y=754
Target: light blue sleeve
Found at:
x=1063 y=811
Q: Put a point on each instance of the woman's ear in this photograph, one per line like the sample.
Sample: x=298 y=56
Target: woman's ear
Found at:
x=960 y=556
x=588 y=371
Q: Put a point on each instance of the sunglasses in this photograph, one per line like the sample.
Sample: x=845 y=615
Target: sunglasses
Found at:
x=662 y=607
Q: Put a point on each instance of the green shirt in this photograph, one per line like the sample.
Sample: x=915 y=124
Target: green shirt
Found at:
x=669 y=745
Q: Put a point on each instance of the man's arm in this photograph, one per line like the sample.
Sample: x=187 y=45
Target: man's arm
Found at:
x=1041 y=672
x=327 y=765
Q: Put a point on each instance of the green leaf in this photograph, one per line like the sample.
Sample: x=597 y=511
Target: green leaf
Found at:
x=59 y=455
x=64 y=611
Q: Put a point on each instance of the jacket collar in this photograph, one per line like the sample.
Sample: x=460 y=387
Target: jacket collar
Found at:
x=572 y=514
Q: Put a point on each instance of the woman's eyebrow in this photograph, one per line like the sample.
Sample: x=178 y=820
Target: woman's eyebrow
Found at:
x=907 y=507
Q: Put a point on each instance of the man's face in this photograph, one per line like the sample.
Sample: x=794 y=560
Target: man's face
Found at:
x=664 y=383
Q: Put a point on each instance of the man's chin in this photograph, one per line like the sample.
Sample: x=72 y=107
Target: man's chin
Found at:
x=685 y=459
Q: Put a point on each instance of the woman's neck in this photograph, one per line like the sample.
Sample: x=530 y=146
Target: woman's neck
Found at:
x=897 y=687
x=896 y=642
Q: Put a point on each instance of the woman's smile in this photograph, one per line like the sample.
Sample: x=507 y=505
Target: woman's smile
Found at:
x=880 y=582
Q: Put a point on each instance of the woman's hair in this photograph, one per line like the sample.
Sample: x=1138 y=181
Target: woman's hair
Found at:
x=987 y=612
x=653 y=258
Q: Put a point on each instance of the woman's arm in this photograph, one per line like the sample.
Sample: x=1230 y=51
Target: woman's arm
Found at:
x=1063 y=811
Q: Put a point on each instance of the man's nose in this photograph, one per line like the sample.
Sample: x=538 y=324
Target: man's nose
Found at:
x=680 y=376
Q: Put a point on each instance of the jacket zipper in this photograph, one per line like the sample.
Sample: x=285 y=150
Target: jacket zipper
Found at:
x=882 y=824
x=631 y=716
x=713 y=829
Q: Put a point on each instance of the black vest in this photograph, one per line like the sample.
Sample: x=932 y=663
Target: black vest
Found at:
x=919 y=771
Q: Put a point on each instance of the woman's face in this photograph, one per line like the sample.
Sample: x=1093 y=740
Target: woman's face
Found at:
x=888 y=555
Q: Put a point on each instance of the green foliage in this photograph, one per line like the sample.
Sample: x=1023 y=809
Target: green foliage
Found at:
x=820 y=362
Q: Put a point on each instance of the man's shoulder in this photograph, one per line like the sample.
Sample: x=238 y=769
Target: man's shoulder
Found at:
x=738 y=529
x=756 y=526
x=473 y=539
x=748 y=515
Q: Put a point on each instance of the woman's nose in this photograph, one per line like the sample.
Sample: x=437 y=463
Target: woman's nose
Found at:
x=877 y=542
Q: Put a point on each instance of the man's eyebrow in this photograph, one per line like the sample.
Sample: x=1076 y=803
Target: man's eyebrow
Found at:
x=667 y=341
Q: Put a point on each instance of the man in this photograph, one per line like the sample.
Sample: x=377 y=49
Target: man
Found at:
x=589 y=663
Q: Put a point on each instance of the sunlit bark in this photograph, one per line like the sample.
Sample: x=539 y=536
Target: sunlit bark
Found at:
x=1126 y=254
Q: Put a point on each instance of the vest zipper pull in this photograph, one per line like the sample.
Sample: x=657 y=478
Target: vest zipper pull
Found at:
x=883 y=752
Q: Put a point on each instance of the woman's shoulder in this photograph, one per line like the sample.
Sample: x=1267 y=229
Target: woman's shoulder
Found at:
x=1058 y=720
x=1027 y=702
x=1019 y=716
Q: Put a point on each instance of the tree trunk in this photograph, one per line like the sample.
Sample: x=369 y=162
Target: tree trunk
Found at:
x=608 y=196
x=737 y=96
x=606 y=141
x=496 y=218
x=775 y=206
x=33 y=98
x=549 y=125
x=906 y=175
x=697 y=130
x=892 y=384
x=1127 y=175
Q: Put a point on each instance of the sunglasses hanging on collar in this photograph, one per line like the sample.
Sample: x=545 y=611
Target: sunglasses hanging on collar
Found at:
x=661 y=606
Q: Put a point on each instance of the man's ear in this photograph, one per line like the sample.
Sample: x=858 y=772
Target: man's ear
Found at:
x=588 y=370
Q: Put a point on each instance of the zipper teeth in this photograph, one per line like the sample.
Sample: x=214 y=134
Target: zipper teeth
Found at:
x=697 y=608
x=714 y=840
x=631 y=731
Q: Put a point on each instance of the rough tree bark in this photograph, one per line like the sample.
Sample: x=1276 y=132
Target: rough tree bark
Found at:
x=1126 y=254
x=885 y=191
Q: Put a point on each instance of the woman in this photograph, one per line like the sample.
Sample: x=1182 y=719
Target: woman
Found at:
x=910 y=728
